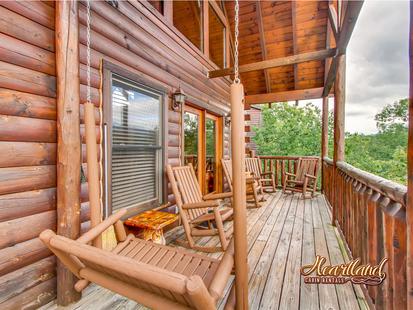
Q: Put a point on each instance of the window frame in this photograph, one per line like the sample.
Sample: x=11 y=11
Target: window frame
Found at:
x=109 y=70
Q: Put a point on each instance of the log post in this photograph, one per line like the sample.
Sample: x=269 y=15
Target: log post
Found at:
x=339 y=111
x=68 y=138
x=324 y=136
x=239 y=198
x=409 y=207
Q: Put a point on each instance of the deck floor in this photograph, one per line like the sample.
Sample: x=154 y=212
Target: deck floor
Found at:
x=284 y=234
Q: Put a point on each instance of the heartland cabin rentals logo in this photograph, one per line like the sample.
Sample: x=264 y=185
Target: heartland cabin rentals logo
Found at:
x=340 y=274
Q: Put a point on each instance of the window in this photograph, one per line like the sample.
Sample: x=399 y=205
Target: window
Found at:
x=158 y=5
x=216 y=39
x=187 y=18
x=135 y=129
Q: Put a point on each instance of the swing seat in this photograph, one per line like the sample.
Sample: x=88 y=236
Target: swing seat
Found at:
x=157 y=276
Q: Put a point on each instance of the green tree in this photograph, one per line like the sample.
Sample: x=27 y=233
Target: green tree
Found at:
x=393 y=116
x=289 y=130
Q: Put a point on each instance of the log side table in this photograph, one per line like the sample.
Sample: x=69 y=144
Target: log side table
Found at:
x=151 y=223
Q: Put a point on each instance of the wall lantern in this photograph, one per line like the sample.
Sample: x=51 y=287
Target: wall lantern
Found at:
x=178 y=100
x=227 y=120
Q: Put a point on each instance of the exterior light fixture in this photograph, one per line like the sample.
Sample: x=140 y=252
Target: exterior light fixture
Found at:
x=179 y=98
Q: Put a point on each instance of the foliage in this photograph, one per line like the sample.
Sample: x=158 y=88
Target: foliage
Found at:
x=291 y=130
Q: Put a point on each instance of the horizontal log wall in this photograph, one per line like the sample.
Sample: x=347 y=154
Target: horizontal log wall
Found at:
x=370 y=213
x=131 y=37
x=28 y=153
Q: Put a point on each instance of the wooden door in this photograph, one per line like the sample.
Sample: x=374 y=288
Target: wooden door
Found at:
x=203 y=147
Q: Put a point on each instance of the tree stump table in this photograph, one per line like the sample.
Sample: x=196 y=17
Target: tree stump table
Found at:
x=149 y=225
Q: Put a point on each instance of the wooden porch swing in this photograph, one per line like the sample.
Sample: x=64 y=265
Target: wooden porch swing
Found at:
x=156 y=276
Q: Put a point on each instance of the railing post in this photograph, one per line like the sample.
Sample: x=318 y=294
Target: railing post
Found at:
x=409 y=206
x=339 y=102
x=324 y=137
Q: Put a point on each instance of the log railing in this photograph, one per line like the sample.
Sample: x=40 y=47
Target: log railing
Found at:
x=370 y=212
x=278 y=165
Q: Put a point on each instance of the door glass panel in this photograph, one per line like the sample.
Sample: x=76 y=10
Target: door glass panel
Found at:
x=191 y=137
x=210 y=166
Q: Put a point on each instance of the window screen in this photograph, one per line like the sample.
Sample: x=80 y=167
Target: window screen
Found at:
x=136 y=144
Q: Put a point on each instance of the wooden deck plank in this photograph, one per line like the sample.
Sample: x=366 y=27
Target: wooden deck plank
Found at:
x=308 y=292
x=284 y=234
x=273 y=287
x=260 y=273
x=327 y=292
x=290 y=296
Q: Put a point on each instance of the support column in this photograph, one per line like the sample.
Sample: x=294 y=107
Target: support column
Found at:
x=339 y=112
x=324 y=136
x=409 y=207
x=239 y=194
x=68 y=138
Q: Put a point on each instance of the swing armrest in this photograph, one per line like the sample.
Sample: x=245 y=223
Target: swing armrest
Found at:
x=95 y=232
x=225 y=267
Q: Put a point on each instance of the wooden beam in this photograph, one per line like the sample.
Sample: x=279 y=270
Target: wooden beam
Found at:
x=205 y=27
x=294 y=30
x=301 y=94
x=263 y=44
x=333 y=20
x=409 y=206
x=277 y=62
x=349 y=21
x=68 y=137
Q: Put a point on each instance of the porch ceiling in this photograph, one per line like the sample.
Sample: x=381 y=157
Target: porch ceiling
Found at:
x=272 y=30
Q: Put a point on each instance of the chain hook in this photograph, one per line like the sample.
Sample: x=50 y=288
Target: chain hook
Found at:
x=88 y=91
x=236 y=54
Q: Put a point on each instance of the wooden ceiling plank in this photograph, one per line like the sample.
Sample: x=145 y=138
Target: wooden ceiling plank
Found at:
x=263 y=44
x=294 y=30
x=291 y=95
x=351 y=14
x=277 y=62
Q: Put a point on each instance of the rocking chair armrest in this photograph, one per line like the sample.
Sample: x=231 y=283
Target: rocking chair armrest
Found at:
x=201 y=204
x=214 y=196
x=310 y=176
x=266 y=173
x=95 y=232
x=290 y=174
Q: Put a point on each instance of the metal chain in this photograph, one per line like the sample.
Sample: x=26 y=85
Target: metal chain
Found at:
x=88 y=96
x=236 y=65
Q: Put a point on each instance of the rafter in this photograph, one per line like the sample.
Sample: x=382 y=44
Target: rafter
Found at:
x=351 y=14
x=301 y=94
x=277 y=62
x=263 y=45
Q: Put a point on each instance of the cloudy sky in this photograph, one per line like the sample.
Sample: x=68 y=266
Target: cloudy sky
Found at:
x=377 y=62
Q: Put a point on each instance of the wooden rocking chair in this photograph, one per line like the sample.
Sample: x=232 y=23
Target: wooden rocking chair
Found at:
x=265 y=179
x=305 y=177
x=157 y=276
x=254 y=190
x=195 y=209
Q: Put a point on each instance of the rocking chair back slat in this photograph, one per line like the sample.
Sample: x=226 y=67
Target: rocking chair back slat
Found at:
x=253 y=165
x=306 y=166
x=189 y=189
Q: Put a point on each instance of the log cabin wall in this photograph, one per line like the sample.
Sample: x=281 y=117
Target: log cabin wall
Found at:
x=133 y=36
